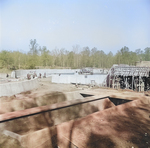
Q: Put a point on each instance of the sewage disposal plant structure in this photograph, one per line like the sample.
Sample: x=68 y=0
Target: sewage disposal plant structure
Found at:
x=92 y=118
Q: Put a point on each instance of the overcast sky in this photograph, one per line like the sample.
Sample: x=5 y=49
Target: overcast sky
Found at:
x=106 y=24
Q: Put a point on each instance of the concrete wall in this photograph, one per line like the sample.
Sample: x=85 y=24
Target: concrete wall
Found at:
x=82 y=79
x=3 y=75
x=143 y=64
x=23 y=73
x=66 y=76
x=12 y=88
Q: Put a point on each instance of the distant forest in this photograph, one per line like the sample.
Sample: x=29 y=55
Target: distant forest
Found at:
x=38 y=57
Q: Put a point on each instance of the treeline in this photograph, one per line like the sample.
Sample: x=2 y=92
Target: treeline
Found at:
x=76 y=58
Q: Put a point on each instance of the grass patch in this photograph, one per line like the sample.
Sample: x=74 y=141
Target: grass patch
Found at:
x=4 y=70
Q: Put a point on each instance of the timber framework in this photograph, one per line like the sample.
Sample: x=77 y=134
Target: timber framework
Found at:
x=128 y=77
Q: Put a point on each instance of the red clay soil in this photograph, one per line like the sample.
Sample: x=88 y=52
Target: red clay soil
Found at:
x=123 y=126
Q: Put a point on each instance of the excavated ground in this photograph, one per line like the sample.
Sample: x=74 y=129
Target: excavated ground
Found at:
x=123 y=126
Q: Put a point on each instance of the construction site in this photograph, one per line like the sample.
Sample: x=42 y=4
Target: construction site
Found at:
x=76 y=108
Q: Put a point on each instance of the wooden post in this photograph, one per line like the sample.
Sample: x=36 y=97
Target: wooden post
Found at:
x=109 y=81
x=132 y=81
